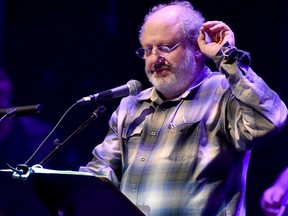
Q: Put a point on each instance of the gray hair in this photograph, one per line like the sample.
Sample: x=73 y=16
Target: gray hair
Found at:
x=191 y=20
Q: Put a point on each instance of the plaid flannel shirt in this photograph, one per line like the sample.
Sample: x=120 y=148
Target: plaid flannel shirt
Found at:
x=189 y=156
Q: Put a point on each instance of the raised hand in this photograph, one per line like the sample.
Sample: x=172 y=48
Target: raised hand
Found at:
x=213 y=35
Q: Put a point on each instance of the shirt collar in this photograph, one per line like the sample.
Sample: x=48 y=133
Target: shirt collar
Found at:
x=152 y=95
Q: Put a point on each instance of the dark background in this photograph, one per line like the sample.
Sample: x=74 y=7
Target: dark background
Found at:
x=58 y=51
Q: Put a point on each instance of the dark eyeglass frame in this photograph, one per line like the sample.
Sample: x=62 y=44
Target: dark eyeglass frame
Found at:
x=145 y=52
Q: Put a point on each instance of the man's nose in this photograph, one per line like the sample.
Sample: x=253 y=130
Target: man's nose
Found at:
x=155 y=51
x=156 y=55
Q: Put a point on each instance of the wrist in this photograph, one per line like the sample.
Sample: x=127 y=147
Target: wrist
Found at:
x=230 y=54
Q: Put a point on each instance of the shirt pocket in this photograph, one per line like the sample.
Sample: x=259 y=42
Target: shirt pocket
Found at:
x=185 y=139
x=131 y=138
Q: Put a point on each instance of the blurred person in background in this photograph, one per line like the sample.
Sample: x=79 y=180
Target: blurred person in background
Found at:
x=20 y=135
x=274 y=200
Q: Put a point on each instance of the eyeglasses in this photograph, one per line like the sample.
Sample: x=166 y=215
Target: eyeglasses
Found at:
x=145 y=52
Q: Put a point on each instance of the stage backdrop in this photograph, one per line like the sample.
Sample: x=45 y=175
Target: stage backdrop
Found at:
x=58 y=51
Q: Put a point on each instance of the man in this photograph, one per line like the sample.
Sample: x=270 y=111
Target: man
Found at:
x=182 y=147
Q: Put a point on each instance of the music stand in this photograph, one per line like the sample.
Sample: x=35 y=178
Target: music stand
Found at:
x=62 y=193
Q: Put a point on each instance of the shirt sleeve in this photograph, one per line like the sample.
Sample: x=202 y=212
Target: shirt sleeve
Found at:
x=253 y=109
x=106 y=162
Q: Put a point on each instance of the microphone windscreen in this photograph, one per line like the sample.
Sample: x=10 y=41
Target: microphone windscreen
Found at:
x=135 y=87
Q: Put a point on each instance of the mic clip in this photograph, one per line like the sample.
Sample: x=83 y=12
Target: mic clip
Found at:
x=22 y=172
x=103 y=97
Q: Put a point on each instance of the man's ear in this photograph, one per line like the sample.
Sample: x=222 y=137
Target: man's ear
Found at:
x=197 y=52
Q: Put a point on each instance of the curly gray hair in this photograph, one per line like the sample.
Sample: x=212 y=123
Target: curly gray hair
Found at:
x=190 y=20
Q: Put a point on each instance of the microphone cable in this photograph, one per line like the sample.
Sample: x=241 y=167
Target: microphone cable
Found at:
x=3 y=117
x=3 y=159
x=132 y=87
x=57 y=124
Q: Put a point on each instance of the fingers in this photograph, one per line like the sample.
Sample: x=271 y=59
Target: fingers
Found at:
x=271 y=200
x=212 y=36
x=218 y=37
x=201 y=38
x=218 y=32
x=215 y=26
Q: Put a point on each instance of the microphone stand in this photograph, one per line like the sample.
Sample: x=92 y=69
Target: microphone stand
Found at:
x=96 y=113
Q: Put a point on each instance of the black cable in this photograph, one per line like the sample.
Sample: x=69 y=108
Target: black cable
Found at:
x=41 y=144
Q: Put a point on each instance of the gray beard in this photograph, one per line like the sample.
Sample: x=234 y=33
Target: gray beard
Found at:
x=178 y=80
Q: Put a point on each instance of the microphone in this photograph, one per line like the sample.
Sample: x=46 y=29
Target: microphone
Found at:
x=21 y=110
x=132 y=87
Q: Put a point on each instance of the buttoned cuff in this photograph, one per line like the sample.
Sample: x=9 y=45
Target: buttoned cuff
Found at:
x=230 y=55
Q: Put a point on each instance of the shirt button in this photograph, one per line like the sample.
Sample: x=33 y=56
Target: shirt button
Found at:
x=134 y=186
x=143 y=158
x=153 y=133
